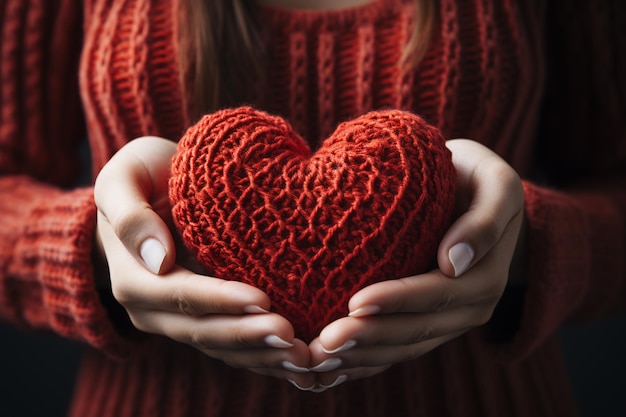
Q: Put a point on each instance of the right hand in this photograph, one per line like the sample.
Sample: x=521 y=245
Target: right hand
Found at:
x=227 y=320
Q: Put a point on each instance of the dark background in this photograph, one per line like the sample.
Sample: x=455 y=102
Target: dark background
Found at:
x=37 y=371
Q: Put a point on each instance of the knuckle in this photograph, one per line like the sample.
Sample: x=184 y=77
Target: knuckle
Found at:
x=423 y=333
x=503 y=171
x=408 y=354
x=128 y=224
x=198 y=340
x=204 y=340
x=138 y=323
x=241 y=337
x=232 y=362
x=445 y=301
x=234 y=338
x=491 y=230
x=183 y=304
x=123 y=294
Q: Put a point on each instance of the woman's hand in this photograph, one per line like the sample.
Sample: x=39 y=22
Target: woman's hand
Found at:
x=399 y=320
x=226 y=320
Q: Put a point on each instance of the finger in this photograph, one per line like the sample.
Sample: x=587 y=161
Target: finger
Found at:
x=131 y=193
x=303 y=382
x=179 y=290
x=429 y=292
x=399 y=329
x=218 y=332
x=434 y=292
x=182 y=291
x=495 y=196
x=286 y=362
x=333 y=379
x=381 y=355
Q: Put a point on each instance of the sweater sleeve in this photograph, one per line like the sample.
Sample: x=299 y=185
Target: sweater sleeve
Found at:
x=576 y=214
x=46 y=223
x=576 y=262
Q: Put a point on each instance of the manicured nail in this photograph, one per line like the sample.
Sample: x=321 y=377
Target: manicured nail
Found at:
x=295 y=384
x=461 y=256
x=255 y=310
x=153 y=254
x=364 y=311
x=328 y=365
x=340 y=380
x=348 y=345
x=277 y=342
x=294 y=368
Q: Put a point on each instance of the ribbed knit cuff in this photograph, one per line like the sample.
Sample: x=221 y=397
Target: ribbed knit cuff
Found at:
x=47 y=279
x=558 y=262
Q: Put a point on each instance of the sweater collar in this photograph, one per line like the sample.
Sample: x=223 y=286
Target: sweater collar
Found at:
x=294 y=19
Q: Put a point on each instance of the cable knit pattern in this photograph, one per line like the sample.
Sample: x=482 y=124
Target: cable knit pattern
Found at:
x=337 y=65
x=36 y=35
x=128 y=70
x=254 y=204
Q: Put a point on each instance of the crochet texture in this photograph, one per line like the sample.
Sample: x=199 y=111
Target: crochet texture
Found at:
x=254 y=204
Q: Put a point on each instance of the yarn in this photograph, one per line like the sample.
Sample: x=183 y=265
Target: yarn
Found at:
x=254 y=204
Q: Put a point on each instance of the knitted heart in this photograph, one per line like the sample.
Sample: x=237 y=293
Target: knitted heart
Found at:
x=254 y=204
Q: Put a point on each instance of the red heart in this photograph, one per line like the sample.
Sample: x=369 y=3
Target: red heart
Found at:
x=310 y=229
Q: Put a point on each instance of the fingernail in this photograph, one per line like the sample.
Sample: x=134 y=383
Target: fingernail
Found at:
x=295 y=384
x=340 y=380
x=364 y=311
x=254 y=310
x=277 y=342
x=153 y=254
x=328 y=365
x=461 y=256
x=348 y=345
x=294 y=368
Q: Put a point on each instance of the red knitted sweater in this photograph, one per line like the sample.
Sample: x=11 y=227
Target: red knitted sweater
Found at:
x=493 y=68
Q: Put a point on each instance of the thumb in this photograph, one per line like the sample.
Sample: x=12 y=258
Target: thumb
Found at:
x=131 y=193
x=493 y=198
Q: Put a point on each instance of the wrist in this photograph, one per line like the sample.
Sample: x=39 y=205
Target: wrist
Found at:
x=518 y=270
x=507 y=316
x=101 y=273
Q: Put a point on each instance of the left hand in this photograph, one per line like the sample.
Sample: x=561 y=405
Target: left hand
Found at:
x=399 y=320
